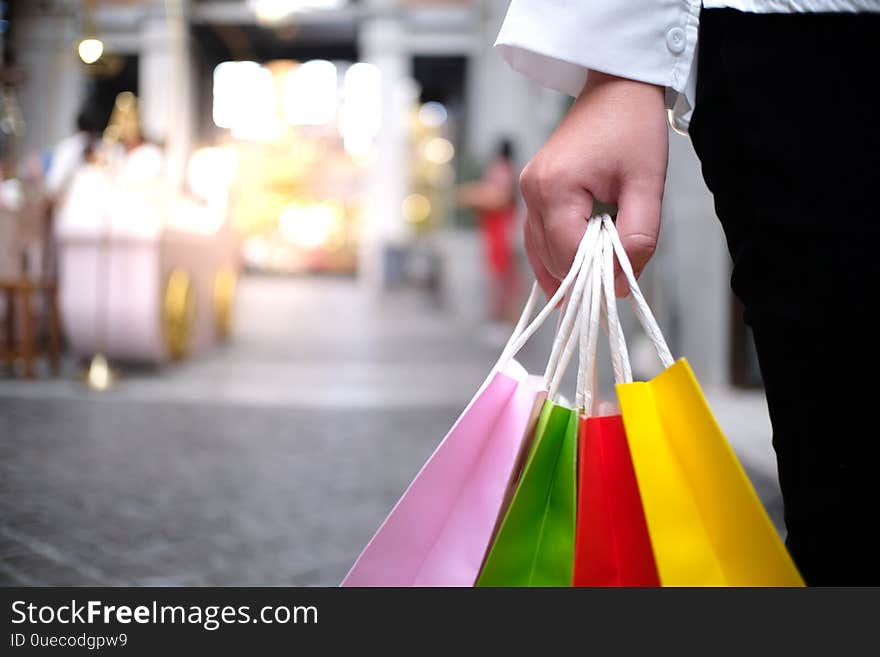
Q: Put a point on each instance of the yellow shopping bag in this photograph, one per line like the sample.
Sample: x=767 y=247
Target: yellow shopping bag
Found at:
x=707 y=525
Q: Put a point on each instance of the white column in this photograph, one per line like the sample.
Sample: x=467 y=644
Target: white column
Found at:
x=52 y=95
x=165 y=85
x=381 y=44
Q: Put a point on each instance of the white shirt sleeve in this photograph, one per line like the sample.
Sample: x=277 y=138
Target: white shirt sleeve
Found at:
x=555 y=42
x=67 y=156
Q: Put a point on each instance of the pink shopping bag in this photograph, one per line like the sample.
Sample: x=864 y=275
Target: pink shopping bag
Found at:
x=440 y=530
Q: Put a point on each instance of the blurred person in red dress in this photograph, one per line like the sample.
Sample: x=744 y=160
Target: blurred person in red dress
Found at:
x=494 y=198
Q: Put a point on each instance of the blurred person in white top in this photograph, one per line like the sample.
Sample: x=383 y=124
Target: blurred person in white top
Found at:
x=69 y=154
x=779 y=99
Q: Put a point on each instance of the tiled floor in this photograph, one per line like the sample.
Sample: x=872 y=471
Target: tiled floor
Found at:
x=269 y=461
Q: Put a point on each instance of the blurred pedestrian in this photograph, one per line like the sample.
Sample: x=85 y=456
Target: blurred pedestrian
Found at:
x=71 y=153
x=67 y=158
x=494 y=198
x=781 y=103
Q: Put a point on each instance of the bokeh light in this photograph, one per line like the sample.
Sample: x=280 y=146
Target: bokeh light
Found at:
x=90 y=50
x=416 y=208
x=439 y=150
x=310 y=93
x=432 y=114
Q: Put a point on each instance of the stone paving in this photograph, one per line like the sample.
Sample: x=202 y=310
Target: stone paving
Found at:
x=269 y=461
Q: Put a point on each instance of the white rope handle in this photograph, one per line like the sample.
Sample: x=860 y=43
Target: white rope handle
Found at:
x=562 y=365
x=509 y=352
x=640 y=306
x=590 y=316
x=590 y=302
x=617 y=342
x=527 y=312
x=603 y=311
x=556 y=370
x=572 y=307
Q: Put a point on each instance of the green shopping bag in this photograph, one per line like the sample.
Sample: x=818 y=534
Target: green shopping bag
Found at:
x=535 y=542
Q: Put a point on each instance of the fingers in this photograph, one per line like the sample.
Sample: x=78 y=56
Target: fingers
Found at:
x=638 y=223
x=554 y=230
x=564 y=229
x=558 y=210
x=536 y=250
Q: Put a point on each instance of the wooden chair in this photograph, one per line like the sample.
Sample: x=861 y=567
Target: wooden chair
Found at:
x=21 y=324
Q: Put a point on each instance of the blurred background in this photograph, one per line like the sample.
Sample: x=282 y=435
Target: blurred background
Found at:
x=256 y=256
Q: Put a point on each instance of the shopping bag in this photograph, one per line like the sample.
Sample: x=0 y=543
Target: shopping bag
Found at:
x=439 y=531
x=535 y=542
x=707 y=525
x=705 y=521
x=612 y=545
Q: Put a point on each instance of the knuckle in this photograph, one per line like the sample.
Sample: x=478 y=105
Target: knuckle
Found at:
x=527 y=181
x=540 y=179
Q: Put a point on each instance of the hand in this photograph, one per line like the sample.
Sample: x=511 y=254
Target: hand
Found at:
x=612 y=145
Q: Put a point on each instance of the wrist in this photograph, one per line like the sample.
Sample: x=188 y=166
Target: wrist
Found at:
x=627 y=87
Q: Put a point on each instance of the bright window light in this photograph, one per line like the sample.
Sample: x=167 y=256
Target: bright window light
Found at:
x=361 y=114
x=310 y=94
x=211 y=172
x=244 y=100
x=269 y=11
x=310 y=226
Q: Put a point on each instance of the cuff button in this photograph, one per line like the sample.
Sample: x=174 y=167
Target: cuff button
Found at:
x=675 y=40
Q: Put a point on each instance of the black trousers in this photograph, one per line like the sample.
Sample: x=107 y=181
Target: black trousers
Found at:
x=787 y=128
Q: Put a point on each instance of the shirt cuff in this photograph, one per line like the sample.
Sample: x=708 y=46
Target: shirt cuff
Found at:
x=556 y=42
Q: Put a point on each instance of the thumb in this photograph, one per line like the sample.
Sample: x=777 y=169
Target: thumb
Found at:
x=638 y=223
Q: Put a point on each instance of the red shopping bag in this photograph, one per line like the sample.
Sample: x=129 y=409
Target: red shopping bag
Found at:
x=612 y=545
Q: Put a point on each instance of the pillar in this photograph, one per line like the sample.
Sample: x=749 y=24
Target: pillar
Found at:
x=380 y=43
x=167 y=100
